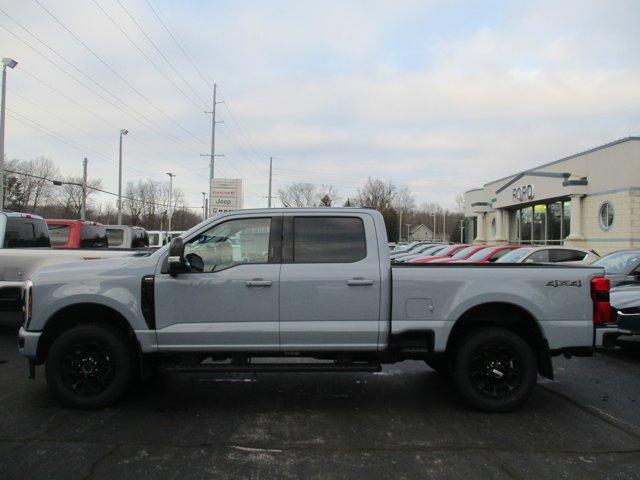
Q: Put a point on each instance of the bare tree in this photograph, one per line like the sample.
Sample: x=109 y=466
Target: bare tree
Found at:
x=70 y=194
x=377 y=194
x=299 y=195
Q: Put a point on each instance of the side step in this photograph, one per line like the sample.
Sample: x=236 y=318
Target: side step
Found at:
x=272 y=367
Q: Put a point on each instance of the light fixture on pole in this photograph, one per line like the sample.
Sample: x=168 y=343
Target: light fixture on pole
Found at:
x=123 y=132
x=11 y=63
x=171 y=175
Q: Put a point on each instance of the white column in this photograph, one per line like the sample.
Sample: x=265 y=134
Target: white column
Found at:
x=575 y=230
x=480 y=230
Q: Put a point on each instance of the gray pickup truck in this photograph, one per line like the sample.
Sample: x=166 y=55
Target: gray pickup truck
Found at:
x=244 y=291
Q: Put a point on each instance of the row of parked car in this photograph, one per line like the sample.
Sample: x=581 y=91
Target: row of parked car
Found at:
x=622 y=268
x=24 y=230
x=427 y=252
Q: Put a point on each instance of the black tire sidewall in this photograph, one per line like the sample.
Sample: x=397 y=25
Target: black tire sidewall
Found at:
x=117 y=345
x=466 y=348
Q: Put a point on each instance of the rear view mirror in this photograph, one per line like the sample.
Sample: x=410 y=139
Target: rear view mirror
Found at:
x=177 y=262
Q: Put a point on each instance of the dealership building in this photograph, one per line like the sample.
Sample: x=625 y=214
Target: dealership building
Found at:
x=590 y=199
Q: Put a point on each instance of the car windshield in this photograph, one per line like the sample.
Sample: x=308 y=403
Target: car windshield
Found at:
x=618 y=262
x=464 y=252
x=480 y=254
x=514 y=256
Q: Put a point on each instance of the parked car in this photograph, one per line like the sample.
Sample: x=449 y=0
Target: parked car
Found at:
x=69 y=234
x=550 y=254
x=423 y=249
x=23 y=230
x=621 y=267
x=462 y=254
x=489 y=254
x=308 y=283
x=392 y=245
x=123 y=236
x=625 y=308
x=445 y=252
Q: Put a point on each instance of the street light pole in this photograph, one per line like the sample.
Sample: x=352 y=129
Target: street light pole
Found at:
x=444 y=225
x=171 y=175
x=83 y=210
x=6 y=62
x=408 y=227
x=204 y=206
x=122 y=133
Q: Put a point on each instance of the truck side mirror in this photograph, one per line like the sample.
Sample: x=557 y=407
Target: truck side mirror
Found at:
x=177 y=262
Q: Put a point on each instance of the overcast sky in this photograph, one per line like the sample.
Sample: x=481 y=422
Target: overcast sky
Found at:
x=439 y=96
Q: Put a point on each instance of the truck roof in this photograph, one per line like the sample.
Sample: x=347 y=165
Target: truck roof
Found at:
x=327 y=210
x=9 y=213
x=65 y=221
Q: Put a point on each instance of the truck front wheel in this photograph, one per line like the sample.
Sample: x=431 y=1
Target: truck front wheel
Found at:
x=89 y=366
x=494 y=369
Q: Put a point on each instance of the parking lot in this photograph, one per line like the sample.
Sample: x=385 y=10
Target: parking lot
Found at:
x=405 y=422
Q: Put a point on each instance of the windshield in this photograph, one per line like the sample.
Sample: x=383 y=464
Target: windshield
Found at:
x=514 y=256
x=618 y=262
x=464 y=252
x=480 y=254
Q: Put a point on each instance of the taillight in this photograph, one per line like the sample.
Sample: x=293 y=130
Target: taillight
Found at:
x=600 y=295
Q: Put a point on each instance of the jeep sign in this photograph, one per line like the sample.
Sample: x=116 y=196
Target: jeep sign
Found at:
x=523 y=193
x=226 y=195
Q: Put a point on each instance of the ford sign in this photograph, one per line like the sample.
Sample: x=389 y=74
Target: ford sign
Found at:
x=523 y=193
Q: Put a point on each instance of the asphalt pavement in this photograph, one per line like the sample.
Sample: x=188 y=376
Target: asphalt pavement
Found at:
x=403 y=422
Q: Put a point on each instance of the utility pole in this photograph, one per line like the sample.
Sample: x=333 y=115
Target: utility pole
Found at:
x=408 y=227
x=461 y=231
x=400 y=228
x=171 y=175
x=212 y=154
x=83 y=210
x=434 y=225
x=6 y=62
x=204 y=206
x=444 y=225
x=270 y=178
x=123 y=132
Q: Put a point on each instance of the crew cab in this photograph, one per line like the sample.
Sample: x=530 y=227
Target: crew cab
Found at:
x=124 y=236
x=246 y=290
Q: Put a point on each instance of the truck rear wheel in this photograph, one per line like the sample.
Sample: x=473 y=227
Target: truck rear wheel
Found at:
x=89 y=366
x=494 y=369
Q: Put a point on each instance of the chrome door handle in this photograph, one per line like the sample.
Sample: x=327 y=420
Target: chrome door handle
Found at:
x=359 y=282
x=258 y=282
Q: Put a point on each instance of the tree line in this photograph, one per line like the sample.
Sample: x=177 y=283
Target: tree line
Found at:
x=397 y=205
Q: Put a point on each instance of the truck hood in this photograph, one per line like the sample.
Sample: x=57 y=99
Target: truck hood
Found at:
x=83 y=269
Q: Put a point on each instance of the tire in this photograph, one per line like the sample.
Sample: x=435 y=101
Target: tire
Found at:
x=439 y=363
x=495 y=370
x=89 y=366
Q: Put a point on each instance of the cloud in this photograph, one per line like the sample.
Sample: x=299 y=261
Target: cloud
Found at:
x=439 y=96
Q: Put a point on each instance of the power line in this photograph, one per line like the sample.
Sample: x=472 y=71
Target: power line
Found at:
x=122 y=107
x=183 y=50
x=126 y=35
x=160 y=52
x=98 y=190
x=116 y=73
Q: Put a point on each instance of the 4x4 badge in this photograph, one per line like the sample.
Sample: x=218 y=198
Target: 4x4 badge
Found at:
x=564 y=283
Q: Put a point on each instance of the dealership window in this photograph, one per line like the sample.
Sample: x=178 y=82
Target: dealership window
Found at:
x=541 y=224
x=606 y=215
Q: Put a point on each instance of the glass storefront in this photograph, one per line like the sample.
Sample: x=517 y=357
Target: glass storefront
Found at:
x=541 y=224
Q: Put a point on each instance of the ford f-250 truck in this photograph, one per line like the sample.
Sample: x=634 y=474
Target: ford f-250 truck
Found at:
x=244 y=287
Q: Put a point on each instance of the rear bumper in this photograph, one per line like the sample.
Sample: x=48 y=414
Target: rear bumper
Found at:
x=28 y=343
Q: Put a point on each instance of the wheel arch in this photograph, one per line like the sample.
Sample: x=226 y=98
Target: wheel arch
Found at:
x=509 y=316
x=79 y=314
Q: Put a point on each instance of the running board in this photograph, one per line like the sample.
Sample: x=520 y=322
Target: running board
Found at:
x=272 y=367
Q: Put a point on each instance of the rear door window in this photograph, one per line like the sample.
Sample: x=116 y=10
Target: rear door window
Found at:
x=93 y=236
x=115 y=236
x=328 y=240
x=538 y=257
x=59 y=234
x=562 y=255
x=26 y=232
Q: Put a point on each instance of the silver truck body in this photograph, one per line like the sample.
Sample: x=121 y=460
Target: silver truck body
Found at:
x=322 y=307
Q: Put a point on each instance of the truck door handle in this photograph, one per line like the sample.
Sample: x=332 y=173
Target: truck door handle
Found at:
x=359 y=282
x=258 y=282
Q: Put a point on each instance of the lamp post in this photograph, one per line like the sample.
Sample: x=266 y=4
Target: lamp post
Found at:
x=171 y=175
x=204 y=206
x=6 y=62
x=408 y=225
x=123 y=132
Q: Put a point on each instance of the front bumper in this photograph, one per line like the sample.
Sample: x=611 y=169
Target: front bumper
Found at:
x=28 y=343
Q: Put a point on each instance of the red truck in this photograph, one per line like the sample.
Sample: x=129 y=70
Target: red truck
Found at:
x=69 y=234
